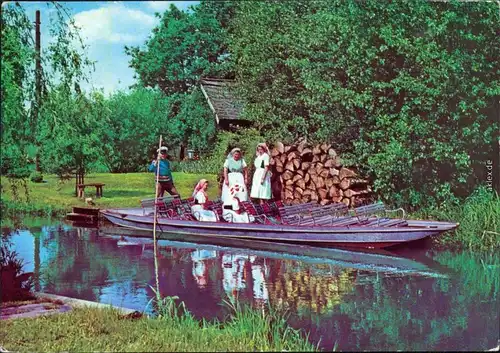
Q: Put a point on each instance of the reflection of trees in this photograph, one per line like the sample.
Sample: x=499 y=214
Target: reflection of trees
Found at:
x=81 y=265
x=415 y=313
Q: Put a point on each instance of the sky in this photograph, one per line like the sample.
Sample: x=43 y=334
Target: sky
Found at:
x=106 y=27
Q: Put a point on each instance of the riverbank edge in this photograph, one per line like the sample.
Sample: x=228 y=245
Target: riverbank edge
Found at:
x=80 y=303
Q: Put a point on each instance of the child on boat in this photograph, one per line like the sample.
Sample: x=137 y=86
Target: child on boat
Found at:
x=199 y=209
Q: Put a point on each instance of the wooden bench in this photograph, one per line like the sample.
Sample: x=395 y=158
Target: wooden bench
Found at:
x=364 y=212
x=162 y=203
x=293 y=214
x=98 y=189
x=325 y=215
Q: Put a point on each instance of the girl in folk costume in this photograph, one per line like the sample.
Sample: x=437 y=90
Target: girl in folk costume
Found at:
x=233 y=211
x=199 y=209
x=235 y=172
x=261 y=182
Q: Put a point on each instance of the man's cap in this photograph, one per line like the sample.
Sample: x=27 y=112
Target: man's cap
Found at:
x=162 y=149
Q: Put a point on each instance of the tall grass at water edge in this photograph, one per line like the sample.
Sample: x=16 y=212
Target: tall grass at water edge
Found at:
x=263 y=329
x=94 y=329
x=479 y=218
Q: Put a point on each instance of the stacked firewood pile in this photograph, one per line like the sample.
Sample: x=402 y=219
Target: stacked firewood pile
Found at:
x=307 y=173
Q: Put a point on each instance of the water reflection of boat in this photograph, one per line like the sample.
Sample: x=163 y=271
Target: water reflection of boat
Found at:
x=375 y=261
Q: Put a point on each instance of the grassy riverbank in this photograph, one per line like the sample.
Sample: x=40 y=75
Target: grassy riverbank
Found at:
x=105 y=330
x=121 y=190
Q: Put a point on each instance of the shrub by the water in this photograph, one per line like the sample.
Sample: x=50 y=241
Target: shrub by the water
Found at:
x=479 y=218
x=16 y=285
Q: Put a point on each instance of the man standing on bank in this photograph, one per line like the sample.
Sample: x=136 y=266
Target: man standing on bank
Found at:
x=165 y=180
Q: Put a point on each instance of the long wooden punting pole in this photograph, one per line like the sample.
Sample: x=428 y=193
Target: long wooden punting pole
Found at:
x=155 y=218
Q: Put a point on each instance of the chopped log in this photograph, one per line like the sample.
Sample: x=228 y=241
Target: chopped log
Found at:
x=322 y=193
x=301 y=183
x=300 y=191
x=283 y=158
x=338 y=162
x=330 y=163
x=344 y=173
x=296 y=163
x=296 y=177
x=317 y=150
x=348 y=183
x=288 y=194
x=288 y=148
x=325 y=173
x=300 y=172
x=312 y=171
x=289 y=188
x=287 y=175
x=279 y=168
x=324 y=202
x=344 y=184
x=297 y=195
x=336 y=179
x=275 y=152
x=332 y=153
x=307 y=192
x=300 y=147
x=280 y=147
x=325 y=147
x=289 y=182
x=323 y=158
x=305 y=165
x=335 y=192
x=346 y=201
x=328 y=182
x=305 y=152
x=320 y=182
x=306 y=198
x=334 y=172
x=319 y=168
x=337 y=198
x=307 y=177
x=316 y=159
x=289 y=166
x=314 y=196
x=291 y=156
x=350 y=193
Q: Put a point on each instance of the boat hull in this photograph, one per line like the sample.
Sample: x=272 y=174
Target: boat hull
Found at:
x=353 y=237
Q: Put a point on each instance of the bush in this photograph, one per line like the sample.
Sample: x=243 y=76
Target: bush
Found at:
x=36 y=177
x=479 y=221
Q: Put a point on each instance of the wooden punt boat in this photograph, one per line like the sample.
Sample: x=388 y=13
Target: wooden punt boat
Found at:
x=299 y=224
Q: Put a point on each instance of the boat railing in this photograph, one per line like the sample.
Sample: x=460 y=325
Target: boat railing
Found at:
x=364 y=212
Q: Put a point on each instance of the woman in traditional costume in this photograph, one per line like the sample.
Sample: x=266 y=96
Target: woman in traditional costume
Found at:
x=261 y=182
x=235 y=172
x=199 y=209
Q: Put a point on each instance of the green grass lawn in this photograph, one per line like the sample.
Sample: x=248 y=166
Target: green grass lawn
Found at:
x=121 y=190
x=105 y=330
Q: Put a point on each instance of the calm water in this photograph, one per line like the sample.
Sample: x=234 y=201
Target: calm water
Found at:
x=412 y=299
